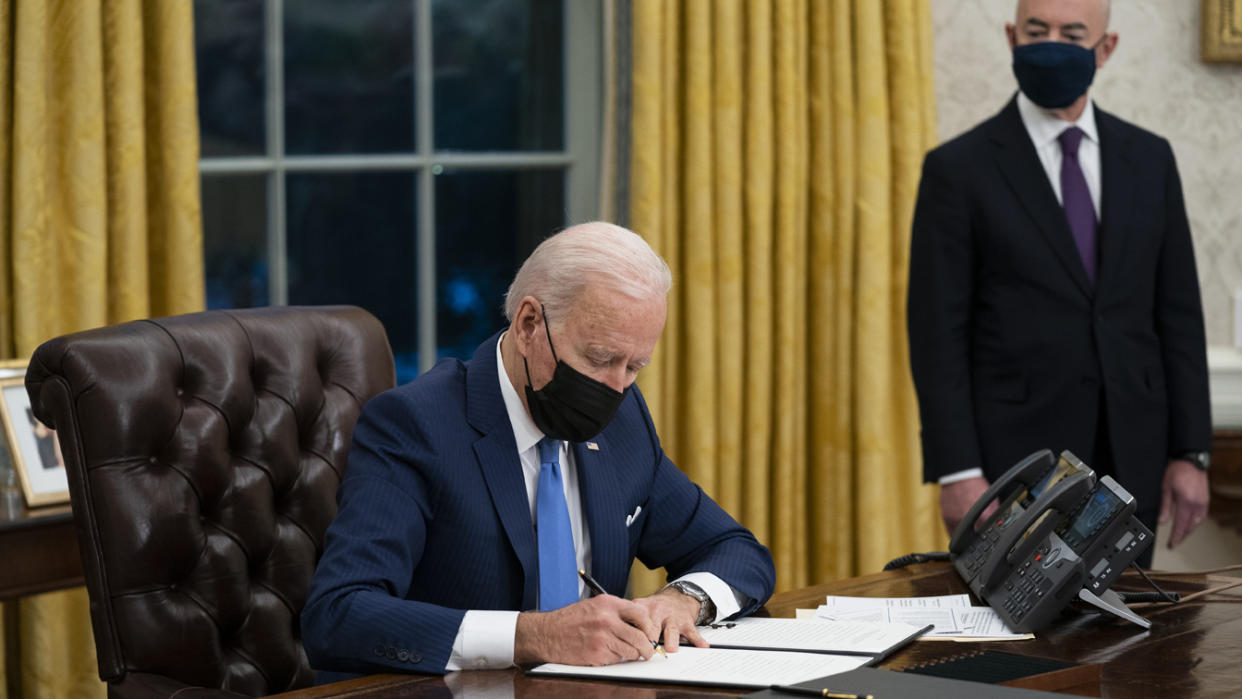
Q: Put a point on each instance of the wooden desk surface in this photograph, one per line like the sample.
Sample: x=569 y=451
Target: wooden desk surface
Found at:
x=40 y=551
x=1192 y=650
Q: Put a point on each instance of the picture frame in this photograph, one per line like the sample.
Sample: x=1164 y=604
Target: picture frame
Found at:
x=1221 y=40
x=33 y=450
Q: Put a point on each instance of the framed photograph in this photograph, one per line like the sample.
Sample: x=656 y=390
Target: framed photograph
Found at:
x=33 y=449
x=1222 y=31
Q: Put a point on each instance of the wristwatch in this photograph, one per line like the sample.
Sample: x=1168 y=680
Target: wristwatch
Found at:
x=1201 y=460
x=707 y=608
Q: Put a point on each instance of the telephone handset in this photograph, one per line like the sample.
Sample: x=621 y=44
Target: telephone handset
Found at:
x=1033 y=526
x=1021 y=477
x=1019 y=487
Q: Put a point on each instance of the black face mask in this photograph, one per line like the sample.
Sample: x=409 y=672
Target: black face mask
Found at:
x=1053 y=74
x=572 y=406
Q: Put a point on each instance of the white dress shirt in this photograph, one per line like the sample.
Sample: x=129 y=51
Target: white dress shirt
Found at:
x=485 y=638
x=1044 y=128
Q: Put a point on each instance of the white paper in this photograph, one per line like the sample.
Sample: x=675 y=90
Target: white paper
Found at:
x=718 y=666
x=949 y=618
x=843 y=603
x=810 y=635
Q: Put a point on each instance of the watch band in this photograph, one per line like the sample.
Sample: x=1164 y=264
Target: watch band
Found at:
x=707 y=608
x=1201 y=460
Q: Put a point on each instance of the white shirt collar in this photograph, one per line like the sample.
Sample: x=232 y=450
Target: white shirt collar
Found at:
x=1044 y=127
x=525 y=433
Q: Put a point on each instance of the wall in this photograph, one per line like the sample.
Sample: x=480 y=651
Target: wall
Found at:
x=1156 y=80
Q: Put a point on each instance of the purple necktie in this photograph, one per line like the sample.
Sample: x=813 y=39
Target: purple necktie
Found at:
x=1076 y=198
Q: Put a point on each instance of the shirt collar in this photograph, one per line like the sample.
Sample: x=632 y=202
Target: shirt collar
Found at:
x=525 y=433
x=1044 y=127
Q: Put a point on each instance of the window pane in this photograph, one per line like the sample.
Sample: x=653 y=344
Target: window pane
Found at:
x=351 y=240
x=349 y=76
x=487 y=222
x=498 y=74
x=235 y=240
x=228 y=54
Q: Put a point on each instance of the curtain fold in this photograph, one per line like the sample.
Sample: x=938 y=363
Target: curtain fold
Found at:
x=100 y=212
x=775 y=153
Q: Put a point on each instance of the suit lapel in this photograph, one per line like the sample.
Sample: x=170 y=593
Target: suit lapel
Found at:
x=498 y=459
x=1021 y=168
x=605 y=515
x=1117 y=179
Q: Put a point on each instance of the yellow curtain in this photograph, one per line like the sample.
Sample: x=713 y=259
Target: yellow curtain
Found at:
x=100 y=212
x=776 y=150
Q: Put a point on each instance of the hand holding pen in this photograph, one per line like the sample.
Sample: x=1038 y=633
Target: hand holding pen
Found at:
x=598 y=589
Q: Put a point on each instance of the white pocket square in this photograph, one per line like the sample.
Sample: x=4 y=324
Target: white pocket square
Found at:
x=629 y=519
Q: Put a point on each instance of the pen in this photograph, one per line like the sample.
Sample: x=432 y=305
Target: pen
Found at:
x=598 y=589
x=595 y=587
x=807 y=692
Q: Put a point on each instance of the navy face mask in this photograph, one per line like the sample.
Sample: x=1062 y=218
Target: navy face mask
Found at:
x=1053 y=74
x=572 y=406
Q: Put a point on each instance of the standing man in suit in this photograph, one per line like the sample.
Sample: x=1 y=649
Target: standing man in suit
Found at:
x=1053 y=298
x=475 y=493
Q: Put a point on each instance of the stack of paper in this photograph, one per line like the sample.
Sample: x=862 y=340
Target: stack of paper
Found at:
x=951 y=616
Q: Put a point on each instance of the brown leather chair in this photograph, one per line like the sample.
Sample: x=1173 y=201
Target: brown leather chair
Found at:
x=203 y=454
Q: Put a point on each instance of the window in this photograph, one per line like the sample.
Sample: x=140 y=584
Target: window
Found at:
x=401 y=155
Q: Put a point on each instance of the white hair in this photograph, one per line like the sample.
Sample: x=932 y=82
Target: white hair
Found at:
x=595 y=253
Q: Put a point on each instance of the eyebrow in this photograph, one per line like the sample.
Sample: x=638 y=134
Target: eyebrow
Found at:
x=603 y=354
x=1033 y=23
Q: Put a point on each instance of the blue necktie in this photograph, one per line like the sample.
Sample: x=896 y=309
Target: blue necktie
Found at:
x=558 y=574
x=1076 y=199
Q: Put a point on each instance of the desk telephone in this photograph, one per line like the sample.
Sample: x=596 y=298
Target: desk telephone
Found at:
x=1058 y=533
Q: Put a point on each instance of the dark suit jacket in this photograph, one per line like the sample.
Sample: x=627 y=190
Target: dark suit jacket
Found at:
x=434 y=520
x=1011 y=346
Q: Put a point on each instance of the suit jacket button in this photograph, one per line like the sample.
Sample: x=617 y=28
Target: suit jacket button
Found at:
x=415 y=658
x=392 y=653
x=403 y=655
x=379 y=650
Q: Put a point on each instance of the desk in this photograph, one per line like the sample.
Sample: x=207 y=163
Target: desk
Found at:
x=38 y=553
x=1191 y=651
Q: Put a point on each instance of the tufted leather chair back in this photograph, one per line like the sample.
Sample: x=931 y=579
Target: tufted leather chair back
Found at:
x=203 y=454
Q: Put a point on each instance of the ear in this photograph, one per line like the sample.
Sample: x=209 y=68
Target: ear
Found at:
x=527 y=321
x=1105 y=49
x=1011 y=33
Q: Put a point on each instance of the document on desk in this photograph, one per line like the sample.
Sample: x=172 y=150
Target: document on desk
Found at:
x=717 y=666
x=843 y=603
x=951 y=616
x=813 y=635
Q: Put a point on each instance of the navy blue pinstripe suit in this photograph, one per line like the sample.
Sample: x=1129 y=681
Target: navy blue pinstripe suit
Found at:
x=434 y=520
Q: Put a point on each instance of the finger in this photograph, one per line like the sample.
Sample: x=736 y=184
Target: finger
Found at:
x=638 y=617
x=1166 y=504
x=692 y=635
x=1183 y=524
x=634 y=644
x=672 y=639
x=1195 y=515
